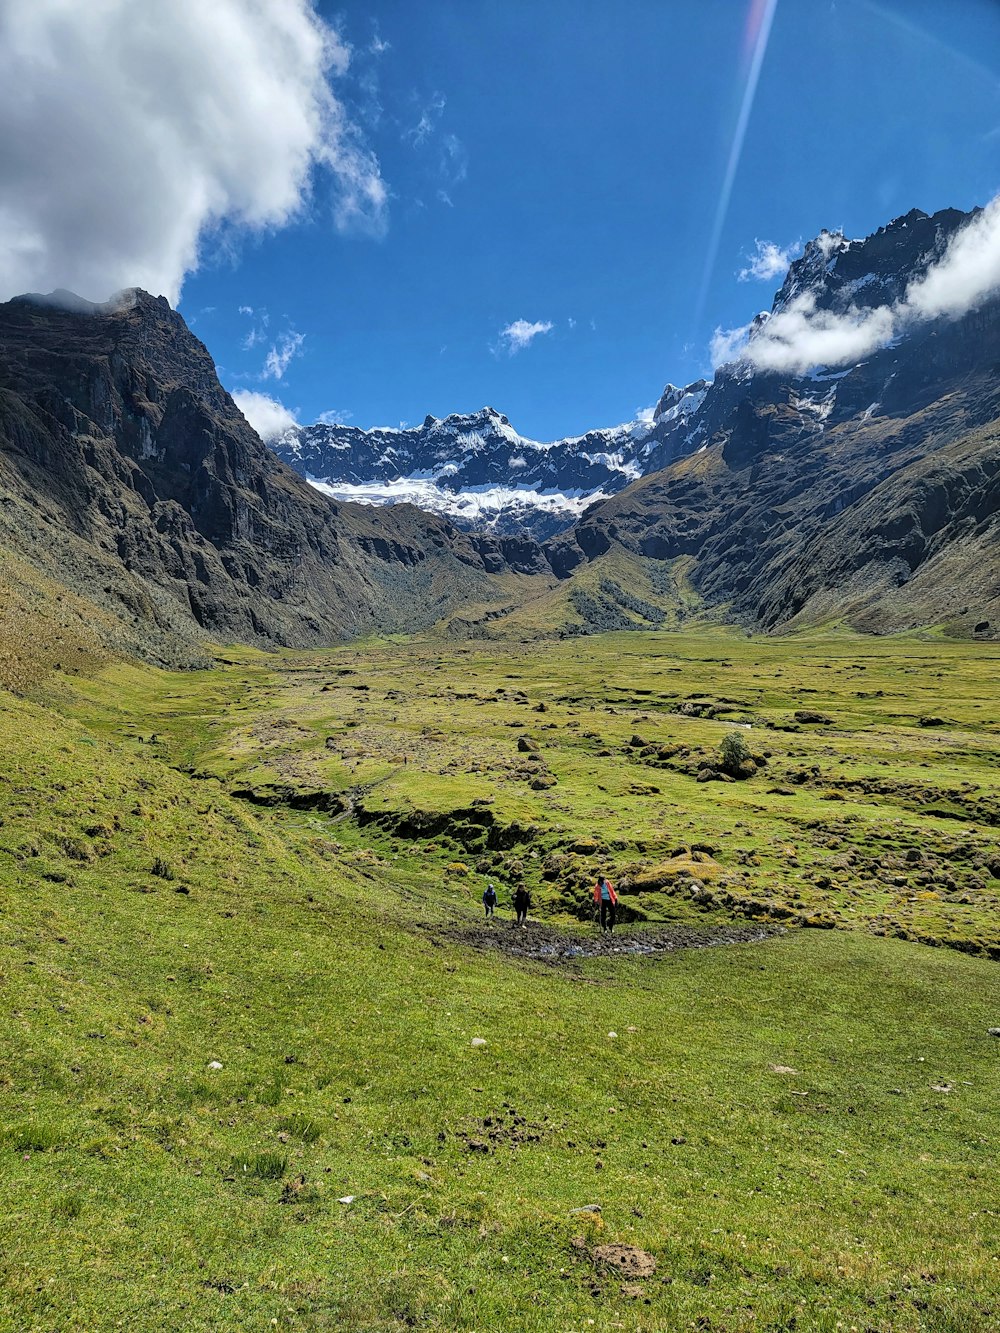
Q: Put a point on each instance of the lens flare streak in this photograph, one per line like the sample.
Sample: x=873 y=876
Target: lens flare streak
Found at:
x=756 y=33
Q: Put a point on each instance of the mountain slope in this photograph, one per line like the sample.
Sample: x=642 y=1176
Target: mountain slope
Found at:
x=868 y=491
x=128 y=475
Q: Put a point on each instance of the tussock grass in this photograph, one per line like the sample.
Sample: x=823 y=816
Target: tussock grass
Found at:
x=802 y=1133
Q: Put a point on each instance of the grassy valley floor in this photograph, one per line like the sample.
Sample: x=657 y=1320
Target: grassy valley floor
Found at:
x=238 y=1079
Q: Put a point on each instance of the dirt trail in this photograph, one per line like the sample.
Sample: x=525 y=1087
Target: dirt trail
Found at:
x=549 y=944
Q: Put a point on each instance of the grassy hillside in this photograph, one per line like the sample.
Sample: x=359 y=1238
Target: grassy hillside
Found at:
x=874 y=806
x=800 y=1133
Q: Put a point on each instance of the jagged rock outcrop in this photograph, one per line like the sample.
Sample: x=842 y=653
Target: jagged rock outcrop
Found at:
x=128 y=474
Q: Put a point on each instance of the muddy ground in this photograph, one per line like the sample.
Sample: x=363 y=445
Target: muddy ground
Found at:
x=550 y=944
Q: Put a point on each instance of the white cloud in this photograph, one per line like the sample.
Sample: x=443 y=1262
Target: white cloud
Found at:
x=770 y=261
x=967 y=273
x=334 y=417
x=647 y=415
x=267 y=416
x=454 y=162
x=445 y=198
x=426 y=125
x=728 y=344
x=801 y=335
x=520 y=334
x=829 y=241
x=129 y=133
x=258 y=330
x=278 y=359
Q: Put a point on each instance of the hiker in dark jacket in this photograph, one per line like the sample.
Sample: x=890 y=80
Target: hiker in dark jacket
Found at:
x=522 y=901
x=489 y=901
x=604 y=894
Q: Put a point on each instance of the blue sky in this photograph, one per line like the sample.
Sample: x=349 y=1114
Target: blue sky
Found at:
x=561 y=163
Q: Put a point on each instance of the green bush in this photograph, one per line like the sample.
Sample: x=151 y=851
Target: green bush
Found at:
x=734 y=754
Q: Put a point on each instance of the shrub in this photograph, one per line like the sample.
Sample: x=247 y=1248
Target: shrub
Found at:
x=735 y=756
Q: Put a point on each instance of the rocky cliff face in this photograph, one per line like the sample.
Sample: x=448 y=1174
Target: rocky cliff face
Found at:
x=867 y=490
x=128 y=474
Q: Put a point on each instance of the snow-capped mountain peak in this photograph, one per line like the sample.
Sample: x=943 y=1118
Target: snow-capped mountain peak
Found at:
x=478 y=470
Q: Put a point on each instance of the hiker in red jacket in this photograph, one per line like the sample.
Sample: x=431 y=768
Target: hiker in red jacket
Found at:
x=604 y=893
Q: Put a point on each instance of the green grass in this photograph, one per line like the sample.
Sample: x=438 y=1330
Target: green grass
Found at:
x=144 y=1188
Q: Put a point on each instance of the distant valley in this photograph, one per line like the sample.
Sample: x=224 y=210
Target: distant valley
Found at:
x=867 y=494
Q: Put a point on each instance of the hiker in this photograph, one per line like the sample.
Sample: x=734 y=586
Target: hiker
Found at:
x=522 y=901
x=489 y=901
x=604 y=893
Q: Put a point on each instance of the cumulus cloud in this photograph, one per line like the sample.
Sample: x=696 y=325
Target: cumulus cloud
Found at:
x=335 y=417
x=967 y=273
x=802 y=335
x=130 y=133
x=281 y=355
x=728 y=344
x=514 y=337
x=267 y=416
x=769 y=261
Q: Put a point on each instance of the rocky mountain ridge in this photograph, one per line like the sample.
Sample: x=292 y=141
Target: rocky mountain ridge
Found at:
x=868 y=490
x=127 y=474
x=476 y=470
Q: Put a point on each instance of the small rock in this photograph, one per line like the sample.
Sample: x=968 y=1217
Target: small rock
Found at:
x=612 y=1034
x=347 y=1198
x=993 y=1032
x=594 y=1208
x=214 y=1064
x=783 y=1069
x=479 y=1041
